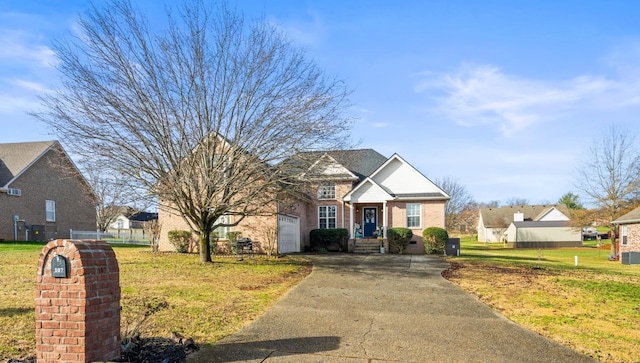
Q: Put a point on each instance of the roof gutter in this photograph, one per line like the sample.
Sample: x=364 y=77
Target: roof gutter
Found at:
x=628 y=221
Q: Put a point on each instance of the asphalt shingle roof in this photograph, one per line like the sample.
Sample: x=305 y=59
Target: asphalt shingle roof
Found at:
x=16 y=157
x=631 y=217
x=497 y=217
x=361 y=162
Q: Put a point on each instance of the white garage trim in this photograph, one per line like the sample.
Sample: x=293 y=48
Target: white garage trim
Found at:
x=288 y=233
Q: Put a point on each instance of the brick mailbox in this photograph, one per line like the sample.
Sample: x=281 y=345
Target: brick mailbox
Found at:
x=77 y=302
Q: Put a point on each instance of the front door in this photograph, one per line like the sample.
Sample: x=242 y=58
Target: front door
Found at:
x=370 y=223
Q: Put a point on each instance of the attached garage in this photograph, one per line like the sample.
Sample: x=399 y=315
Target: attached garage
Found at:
x=288 y=234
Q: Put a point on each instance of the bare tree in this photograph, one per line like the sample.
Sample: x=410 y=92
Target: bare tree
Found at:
x=460 y=199
x=152 y=229
x=513 y=201
x=201 y=114
x=114 y=195
x=610 y=176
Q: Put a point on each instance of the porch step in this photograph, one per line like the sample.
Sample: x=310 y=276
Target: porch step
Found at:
x=367 y=246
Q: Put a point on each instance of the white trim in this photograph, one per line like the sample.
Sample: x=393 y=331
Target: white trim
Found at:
x=335 y=217
x=47 y=210
x=406 y=208
x=329 y=177
x=347 y=197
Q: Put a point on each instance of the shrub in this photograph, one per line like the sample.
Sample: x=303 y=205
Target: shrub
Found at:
x=180 y=240
x=398 y=238
x=329 y=239
x=435 y=239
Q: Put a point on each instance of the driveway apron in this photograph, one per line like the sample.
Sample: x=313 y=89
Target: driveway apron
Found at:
x=384 y=308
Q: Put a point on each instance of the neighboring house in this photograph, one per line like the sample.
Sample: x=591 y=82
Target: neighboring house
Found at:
x=130 y=223
x=42 y=193
x=528 y=226
x=629 y=232
x=360 y=190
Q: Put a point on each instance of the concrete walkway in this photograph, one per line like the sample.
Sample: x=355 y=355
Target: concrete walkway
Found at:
x=384 y=308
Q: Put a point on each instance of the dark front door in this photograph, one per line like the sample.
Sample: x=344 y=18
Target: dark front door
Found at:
x=370 y=221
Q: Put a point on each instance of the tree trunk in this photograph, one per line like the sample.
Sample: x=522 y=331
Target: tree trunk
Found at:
x=205 y=251
x=614 y=241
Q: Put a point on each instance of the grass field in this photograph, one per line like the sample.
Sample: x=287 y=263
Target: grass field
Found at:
x=206 y=301
x=593 y=308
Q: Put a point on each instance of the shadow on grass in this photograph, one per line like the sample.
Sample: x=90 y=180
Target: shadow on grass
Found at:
x=15 y=311
x=260 y=350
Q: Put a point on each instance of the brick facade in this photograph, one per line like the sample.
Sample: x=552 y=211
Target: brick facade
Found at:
x=51 y=177
x=78 y=317
x=431 y=215
x=633 y=238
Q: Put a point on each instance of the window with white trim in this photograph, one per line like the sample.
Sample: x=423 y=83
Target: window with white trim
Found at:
x=326 y=216
x=413 y=215
x=327 y=190
x=50 y=209
x=624 y=234
x=222 y=230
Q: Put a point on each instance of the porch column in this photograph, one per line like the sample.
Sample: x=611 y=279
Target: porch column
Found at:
x=351 y=229
x=384 y=219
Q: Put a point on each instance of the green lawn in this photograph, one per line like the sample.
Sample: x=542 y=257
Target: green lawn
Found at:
x=593 y=307
x=206 y=301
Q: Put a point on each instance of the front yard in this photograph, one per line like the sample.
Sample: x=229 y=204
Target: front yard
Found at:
x=205 y=302
x=593 y=308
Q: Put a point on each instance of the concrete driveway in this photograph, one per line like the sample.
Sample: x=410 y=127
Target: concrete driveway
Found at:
x=383 y=308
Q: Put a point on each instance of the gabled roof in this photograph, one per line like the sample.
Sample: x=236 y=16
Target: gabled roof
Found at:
x=359 y=162
x=631 y=217
x=401 y=181
x=503 y=216
x=16 y=158
x=326 y=167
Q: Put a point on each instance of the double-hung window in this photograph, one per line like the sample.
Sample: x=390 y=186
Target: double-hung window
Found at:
x=222 y=230
x=50 y=209
x=326 y=216
x=413 y=215
x=327 y=191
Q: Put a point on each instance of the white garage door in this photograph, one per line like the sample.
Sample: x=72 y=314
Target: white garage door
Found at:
x=288 y=234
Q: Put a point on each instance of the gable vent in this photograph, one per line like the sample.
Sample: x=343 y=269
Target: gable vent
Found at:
x=14 y=192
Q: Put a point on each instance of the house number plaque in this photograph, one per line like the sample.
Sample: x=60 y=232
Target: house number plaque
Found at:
x=59 y=266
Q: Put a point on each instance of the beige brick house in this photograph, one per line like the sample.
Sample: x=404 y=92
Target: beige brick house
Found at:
x=629 y=234
x=359 y=190
x=42 y=193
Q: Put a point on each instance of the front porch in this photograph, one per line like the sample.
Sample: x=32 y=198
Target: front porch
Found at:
x=368 y=220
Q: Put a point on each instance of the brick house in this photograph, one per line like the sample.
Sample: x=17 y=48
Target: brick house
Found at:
x=628 y=232
x=42 y=193
x=360 y=190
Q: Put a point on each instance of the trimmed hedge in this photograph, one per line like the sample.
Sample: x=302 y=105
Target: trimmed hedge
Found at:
x=181 y=240
x=399 y=238
x=435 y=239
x=329 y=239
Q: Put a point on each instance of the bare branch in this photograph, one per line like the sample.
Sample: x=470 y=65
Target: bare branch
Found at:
x=201 y=113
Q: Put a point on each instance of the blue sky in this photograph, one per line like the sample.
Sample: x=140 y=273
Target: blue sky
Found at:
x=503 y=96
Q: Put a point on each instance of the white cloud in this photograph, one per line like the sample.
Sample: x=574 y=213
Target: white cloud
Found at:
x=484 y=95
x=21 y=47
